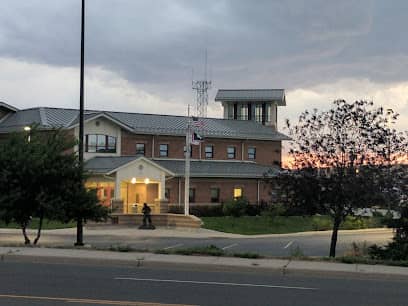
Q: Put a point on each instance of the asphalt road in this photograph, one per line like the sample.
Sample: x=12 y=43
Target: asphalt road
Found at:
x=309 y=244
x=26 y=283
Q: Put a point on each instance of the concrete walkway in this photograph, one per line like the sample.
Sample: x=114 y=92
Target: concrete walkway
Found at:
x=283 y=265
x=162 y=232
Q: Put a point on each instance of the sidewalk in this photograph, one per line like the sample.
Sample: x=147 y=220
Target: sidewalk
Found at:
x=283 y=265
x=133 y=231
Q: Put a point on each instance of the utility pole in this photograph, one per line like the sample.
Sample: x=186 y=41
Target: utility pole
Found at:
x=389 y=115
x=80 y=236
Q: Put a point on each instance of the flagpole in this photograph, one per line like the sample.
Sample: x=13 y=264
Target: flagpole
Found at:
x=187 y=167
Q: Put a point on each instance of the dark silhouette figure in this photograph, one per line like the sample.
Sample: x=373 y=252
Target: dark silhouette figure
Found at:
x=146 y=210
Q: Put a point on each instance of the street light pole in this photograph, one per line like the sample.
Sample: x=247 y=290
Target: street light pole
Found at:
x=79 y=241
x=389 y=114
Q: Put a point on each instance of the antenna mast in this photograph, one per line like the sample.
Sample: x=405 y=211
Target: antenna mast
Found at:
x=201 y=88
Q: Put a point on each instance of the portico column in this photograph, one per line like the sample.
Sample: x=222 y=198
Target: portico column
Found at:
x=117 y=188
x=162 y=186
x=117 y=203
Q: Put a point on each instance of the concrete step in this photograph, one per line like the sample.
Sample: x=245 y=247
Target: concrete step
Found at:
x=172 y=220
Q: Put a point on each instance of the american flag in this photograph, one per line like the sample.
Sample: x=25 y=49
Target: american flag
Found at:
x=198 y=123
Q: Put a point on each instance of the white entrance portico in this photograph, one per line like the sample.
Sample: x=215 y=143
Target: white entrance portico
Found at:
x=140 y=181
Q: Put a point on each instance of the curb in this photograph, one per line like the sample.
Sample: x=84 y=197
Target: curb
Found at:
x=151 y=260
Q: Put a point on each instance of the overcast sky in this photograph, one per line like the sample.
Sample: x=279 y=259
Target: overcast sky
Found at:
x=140 y=54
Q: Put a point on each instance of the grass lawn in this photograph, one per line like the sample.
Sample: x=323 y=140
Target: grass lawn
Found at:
x=47 y=224
x=249 y=225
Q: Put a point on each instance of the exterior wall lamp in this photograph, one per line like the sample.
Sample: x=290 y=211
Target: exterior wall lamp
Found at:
x=28 y=129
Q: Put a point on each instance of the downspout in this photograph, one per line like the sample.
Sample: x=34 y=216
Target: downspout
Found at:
x=179 y=192
x=152 y=146
x=257 y=191
x=242 y=150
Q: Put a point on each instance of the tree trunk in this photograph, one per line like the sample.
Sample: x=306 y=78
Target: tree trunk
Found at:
x=39 y=228
x=80 y=235
x=333 y=243
x=23 y=228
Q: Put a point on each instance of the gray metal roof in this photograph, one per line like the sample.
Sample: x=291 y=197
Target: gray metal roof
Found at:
x=199 y=168
x=105 y=164
x=8 y=106
x=137 y=123
x=217 y=168
x=44 y=117
x=249 y=95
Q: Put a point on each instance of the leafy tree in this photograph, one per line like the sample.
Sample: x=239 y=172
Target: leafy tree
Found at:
x=339 y=160
x=40 y=177
x=398 y=248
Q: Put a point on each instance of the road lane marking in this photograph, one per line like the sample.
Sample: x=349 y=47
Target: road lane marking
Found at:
x=213 y=283
x=173 y=246
x=230 y=246
x=288 y=245
x=85 y=301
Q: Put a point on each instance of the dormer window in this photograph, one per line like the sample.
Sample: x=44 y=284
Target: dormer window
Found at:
x=97 y=143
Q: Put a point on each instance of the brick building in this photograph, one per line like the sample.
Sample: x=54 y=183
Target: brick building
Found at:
x=136 y=158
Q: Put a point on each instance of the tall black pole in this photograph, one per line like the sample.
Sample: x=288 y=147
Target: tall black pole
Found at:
x=80 y=240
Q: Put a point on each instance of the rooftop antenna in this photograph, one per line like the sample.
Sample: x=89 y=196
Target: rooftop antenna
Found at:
x=201 y=88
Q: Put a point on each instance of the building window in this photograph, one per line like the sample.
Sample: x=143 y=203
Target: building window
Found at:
x=231 y=152
x=238 y=192
x=230 y=111
x=167 y=193
x=243 y=113
x=268 y=110
x=164 y=150
x=96 y=143
x=251 y=153
x=249 y=111
x=209 y=151
x=140 y=149
x=191 y=195
x=235 y=111
x=258 y=113
x=215 y=195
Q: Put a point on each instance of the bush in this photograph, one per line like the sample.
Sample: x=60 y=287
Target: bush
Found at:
x=207 y=211
x=256 y=209
x=395 y=250
x=235 y=208
x=199 y=211
x=274 y=210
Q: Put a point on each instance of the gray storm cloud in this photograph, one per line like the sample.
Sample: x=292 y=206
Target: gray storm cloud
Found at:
x=317 y=49
x=263 y=43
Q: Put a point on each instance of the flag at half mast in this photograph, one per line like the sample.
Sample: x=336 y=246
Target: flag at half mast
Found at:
x=196 y=138
x=198 y=127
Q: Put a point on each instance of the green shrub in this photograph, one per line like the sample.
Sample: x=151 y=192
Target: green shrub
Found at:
x=235 y=208
x=256 y=209
x=274 y=210
x=396 y=250
x=207 y=211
